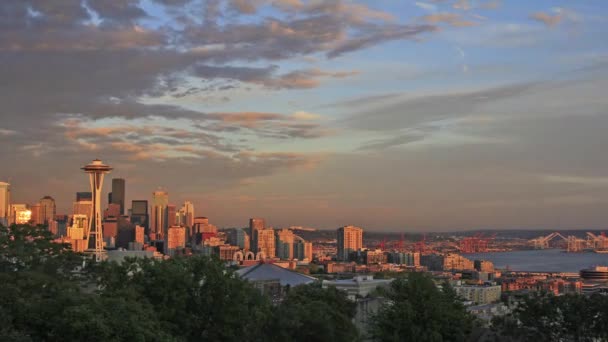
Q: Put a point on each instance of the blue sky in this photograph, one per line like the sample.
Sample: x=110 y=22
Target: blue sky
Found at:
x=392 y=115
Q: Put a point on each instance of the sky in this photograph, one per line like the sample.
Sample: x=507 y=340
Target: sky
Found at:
x=388 y=114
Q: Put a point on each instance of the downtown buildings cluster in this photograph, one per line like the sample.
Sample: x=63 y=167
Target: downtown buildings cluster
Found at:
x=155 y=228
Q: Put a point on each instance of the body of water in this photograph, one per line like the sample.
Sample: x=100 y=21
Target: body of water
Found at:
x=546 y=260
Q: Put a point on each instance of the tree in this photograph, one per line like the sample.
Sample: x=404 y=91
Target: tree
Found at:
x=44 y=295
x=545 y=317
x=194 y=298
x=311 y=313
x=417 y=310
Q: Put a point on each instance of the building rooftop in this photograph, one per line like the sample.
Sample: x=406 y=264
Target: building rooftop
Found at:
x=265 y=271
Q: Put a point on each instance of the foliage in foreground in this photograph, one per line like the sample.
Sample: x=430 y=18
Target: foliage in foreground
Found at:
x=47 y=295
x=547 y=317
x=417 y=310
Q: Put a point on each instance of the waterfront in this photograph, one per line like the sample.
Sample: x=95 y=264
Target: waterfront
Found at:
x=546 y=260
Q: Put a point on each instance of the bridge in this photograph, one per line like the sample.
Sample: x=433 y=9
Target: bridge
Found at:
x=542 y=242
x=598 y=243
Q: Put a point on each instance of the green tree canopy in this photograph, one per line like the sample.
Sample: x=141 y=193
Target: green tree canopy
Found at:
x=417 y=310
x=311 y=313
x=545 y=317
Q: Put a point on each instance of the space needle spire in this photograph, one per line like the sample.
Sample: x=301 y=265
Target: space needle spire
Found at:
x=96 y=170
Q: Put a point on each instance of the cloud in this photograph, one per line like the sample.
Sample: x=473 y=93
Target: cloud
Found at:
x=426 y=6
x=302 y=115
x=380 y=35
x=464 y=5
x=7 y=132
x=547 y=19
x=576 y=180
x=453 y=19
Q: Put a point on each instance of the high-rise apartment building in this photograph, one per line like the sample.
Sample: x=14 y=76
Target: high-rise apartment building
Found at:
x=5 y=202
x=48 y=210
x=160 y=200
x=350 y=239
x=118 y=193
x=255 y=224
x=266 y=242
x=302 y=250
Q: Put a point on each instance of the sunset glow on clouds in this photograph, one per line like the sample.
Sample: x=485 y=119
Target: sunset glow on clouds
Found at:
x=387 y=114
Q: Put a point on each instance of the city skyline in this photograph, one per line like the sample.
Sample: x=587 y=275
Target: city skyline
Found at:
x=391 y=116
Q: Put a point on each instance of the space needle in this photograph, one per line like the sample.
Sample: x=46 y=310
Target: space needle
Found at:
x=96 y=170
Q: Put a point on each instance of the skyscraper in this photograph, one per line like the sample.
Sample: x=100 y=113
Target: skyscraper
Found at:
x=118 y=193
x=5 y=202
x=139 y=213
x=160 y=200
x=255 y=224
x=47 y=209
x=186 y=215
x=350 y=239
x=170 y=216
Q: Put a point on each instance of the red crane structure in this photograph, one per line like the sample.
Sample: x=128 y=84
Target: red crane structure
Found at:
x=476 y=244
x=421 y=247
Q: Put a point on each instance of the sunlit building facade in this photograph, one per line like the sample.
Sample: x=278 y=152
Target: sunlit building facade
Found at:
x=5 y=202
x=19 y=214
x=48 y=210
x=160 y=200
x=255 y=224
x=266 y=242
x=350 y=239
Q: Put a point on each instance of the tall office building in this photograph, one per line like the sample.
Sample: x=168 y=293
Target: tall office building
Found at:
x=350 y=239
x=160 y=200
x=186 y=215
x=170 y=216
x=139 y=214
x=266 y=242
x=255 y=224
x=118 y=193
x=5 y=202
x=48 y=210
x=84 y=196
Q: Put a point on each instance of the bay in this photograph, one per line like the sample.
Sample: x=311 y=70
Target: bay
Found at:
x=544 y=260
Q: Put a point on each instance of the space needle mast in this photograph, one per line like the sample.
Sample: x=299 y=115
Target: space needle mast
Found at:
x=96 y=170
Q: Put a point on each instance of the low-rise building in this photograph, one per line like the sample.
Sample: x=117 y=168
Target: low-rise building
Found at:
x=479 y=294
x=359 y=286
